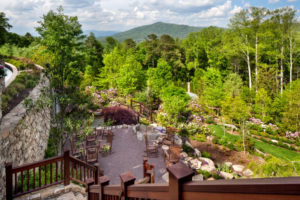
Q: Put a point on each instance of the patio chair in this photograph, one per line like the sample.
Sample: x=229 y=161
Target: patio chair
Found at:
x=75 y=151
x=151 y=149
x=90 y=140
x=171 y=133
x=92 y=154
x=172 y=156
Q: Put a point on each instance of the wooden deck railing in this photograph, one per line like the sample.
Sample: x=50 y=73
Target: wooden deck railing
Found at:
x=181 y=187
x=39 y=175
x=141 y=109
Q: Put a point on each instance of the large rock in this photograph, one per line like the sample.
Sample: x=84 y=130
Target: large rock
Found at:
x=226 y=175
x=228 y=164
x=197 y=152
x=207 y=164
x=238 y=168
x=177 y=140
x=248 y=173
x=189 y=144
x=165 y=177
x=183 y=155
x=195 y=164
x=198 y=177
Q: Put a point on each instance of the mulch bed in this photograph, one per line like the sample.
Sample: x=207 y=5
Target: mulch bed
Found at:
x=16 y=100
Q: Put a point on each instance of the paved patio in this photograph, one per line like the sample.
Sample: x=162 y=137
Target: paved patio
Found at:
x=127 y=155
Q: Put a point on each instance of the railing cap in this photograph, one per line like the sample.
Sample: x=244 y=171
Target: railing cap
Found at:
x=127 y=177
x=180 y=171
x=103 y=180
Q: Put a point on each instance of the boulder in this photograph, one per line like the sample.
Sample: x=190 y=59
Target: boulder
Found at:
x=183 y=155
x=197 y=152
x=238 y=168
x=139 y=135
x=207 y=164
x=195 y=164
x=228 y=164
x=177 y=140
x=226 y=175
x=188 y=159
x=188 y=144
x=198 y=177
x=275 y=141
x=165 y=177
x=248 y=173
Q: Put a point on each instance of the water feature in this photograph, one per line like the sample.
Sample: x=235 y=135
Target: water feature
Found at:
x=8 y=73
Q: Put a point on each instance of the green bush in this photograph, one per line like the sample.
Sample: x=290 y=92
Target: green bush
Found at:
x=206 y=174
x=210 y=120
x=30 y=84
x=205 y=154
x=216 y=176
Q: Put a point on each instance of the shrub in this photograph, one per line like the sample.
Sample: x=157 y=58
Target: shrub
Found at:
x=205 y=154
x=216 y=176
x=187 y=149
x=206 y=174
x=210 y=120
x=119 y=115
x=30 y=84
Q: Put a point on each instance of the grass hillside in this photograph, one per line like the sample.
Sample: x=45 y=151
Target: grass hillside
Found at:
x=140 y=33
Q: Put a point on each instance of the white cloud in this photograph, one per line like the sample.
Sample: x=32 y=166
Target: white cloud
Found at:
x=122 y=14
x=273 y=1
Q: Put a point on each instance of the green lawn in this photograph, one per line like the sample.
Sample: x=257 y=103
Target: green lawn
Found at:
x=276 y=151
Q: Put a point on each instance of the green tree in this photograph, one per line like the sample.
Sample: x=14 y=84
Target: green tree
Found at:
x=60 y=34
x=262 y=104
x=233 y=84
x=4 y=27
x=131 y=76
x=291 y=115
x=94 y=54
x=213 y=92
x=160 y=77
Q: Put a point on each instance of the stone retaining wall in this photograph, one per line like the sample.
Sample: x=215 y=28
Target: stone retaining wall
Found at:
x=24 y=134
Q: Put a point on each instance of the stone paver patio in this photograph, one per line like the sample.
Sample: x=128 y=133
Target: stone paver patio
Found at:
x=127 y=155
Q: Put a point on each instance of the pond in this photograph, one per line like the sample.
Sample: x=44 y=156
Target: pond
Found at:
x=8 y=73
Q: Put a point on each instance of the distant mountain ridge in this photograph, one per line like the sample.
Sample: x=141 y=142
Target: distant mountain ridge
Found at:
x=139 y=34
x=101 y=33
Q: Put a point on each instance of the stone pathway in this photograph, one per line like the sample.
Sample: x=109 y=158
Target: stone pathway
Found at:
x=127 y=155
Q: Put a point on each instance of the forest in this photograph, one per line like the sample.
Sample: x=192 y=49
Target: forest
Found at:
x=245 y=76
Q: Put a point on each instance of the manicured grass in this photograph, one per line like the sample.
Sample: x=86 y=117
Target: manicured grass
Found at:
x=276 y=151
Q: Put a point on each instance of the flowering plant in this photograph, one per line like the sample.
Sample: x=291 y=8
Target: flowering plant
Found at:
x=2 y=71
x=291 y=135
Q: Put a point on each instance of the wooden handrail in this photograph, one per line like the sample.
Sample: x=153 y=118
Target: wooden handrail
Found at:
x=142 y=109
x=181 y=187
x=22 y=179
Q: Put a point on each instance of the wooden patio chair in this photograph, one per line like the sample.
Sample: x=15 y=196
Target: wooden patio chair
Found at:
x=171 y=133
x=92 y=154
x=151 y=149
x=75 y=151
x=91 y=140
x=172 y=156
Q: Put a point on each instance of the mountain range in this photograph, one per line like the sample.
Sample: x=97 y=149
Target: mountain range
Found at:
x=140 y=33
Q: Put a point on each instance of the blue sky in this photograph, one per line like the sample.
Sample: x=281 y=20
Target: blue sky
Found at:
x=120 y=15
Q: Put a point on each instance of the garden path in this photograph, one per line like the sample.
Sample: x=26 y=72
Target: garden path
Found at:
x=127 y=155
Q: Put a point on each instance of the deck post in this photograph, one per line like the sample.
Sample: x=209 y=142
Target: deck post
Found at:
x=127 y=179
x=8 y=171
x=97 y=172
x=131 y=103
x=67 y=167
x=150 y=115
x=103 y=181
x=178 y=175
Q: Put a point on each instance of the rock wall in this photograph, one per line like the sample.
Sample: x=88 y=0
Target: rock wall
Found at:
x=2 y=85
x=24 y=134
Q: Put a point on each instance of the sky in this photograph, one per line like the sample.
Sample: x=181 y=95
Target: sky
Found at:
x=121 y=15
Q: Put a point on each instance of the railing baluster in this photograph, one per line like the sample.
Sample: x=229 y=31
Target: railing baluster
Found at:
x=84 y=173
x=16 y=183
x=33 y=171
x=28 y=177
x=22 y=181
x=76 y=169
x=45 y=166
x=61 y=170
x=80 y=171
x=51 y=173
x=56 y=170
x=40 y=179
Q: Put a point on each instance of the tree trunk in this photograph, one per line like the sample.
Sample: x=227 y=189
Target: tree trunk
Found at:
x=248 y=62
x=281 y=70
x=256 y=62
x=243 y=130
x=291 y=60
